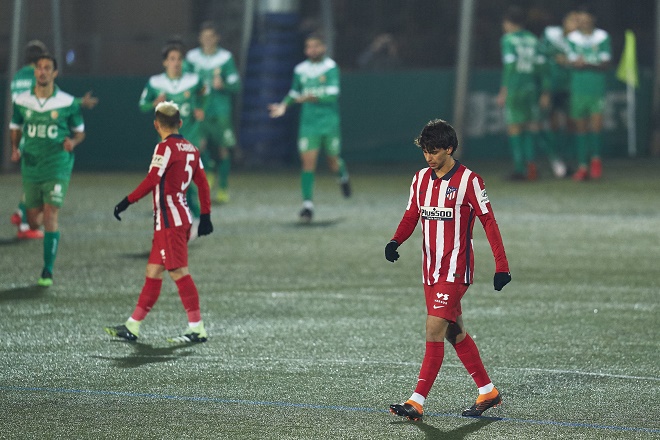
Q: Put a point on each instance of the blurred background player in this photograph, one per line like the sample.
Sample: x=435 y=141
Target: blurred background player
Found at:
x=381 y=54
x=186 y=90
x=51 y=124
x=589 y=56
x=519 y=93
x=316 y=87
x=447 y=197
x=23 y=81
x=217 y=69
x=555 y=131
x=174 y=165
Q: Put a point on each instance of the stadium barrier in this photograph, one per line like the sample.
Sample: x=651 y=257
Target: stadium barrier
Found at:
x=381 y=114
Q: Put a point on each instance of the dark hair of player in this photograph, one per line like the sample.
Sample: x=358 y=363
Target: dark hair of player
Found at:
x=585 y=8
x=168 y=121
x=435 y=135
x=47 y=56
x=33 y=50
x=315 y=36
x=515 y=15
x=208 y=26
x=170 y=47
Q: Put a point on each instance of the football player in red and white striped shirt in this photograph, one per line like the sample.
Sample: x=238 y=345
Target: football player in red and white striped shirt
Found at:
x=447 y=197
x=174 y=165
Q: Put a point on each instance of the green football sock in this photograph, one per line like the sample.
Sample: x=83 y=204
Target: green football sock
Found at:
x=515 y=142
x=548 y=143
x=193 y=200
x=595 y=144
x=307 y=185
x=342 y=173
x=582 y=149
x=563 y=144
x=21 y=207
x=51 y=242
x=529 y=145
x=223 y=173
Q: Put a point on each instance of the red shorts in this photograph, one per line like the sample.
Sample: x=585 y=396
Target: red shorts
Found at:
x=444 y=300
x=169 y=247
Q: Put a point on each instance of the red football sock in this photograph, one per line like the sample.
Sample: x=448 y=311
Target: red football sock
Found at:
x=148 y=297
x=435 y=352
x=469 y=354
x=189 y=298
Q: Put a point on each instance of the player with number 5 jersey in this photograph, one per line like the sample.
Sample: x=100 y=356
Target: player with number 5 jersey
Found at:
x=174 y=165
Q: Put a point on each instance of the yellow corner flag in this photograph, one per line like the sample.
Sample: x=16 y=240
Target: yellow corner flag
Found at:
x=627 y=70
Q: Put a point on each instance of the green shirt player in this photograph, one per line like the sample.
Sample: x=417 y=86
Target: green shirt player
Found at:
x=519 y=93
x=217 y=70
x=186 y=90
x=51 y=123
x=316 y=88
x=589 y=55
x=554 y=47
x=23 y=81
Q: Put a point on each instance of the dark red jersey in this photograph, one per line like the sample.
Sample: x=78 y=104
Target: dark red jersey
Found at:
x=174 y=165
x=447 y=207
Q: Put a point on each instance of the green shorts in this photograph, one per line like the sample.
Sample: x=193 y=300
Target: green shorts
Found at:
x=522 y=107
x=331 y=144
x=583 y=106
x=218 y=131
x=45 y=193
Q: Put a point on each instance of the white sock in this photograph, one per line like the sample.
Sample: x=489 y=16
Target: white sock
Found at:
x=418 y=398
x=486 y=388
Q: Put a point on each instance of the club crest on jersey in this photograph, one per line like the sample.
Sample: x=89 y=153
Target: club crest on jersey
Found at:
x=322 y=78
x=54 y=114
x=28 y=113
x=186 y=94
x=451 y=193
x=484 y=196
x=436 y=213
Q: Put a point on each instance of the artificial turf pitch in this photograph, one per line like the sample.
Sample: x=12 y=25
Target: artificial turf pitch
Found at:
x=313 y=333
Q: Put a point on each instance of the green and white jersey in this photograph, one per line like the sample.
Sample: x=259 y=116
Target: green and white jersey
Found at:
x=593 y=49
x=553 y=44
x=521 y=60
x=22 y=81
x=319 y=79
x=45 y=124
x=184 y=91
x=218 y=102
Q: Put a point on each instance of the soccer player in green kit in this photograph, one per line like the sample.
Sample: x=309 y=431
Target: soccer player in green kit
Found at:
x=519 y=94
x=186 y=90
x=554 y=47
x=23 y=81
x=215 y=65
x=589 y=55
x=52 y=125
x=316 y=88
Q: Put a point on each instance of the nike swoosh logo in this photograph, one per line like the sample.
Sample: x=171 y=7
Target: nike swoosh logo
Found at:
x=437 y=307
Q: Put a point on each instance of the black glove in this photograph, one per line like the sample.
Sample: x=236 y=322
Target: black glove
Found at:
x=501 y=279
x=390 y=251
x=205 y=226
x=121 y=207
